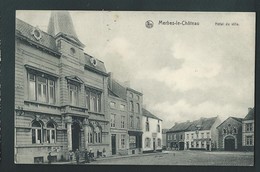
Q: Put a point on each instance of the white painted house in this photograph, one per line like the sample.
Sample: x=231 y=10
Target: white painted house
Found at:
x=152 y=132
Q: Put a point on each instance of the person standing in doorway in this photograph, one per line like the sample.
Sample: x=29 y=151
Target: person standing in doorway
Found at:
x=77 y=155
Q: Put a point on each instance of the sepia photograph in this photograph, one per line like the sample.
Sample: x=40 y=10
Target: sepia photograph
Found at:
x=134 y=88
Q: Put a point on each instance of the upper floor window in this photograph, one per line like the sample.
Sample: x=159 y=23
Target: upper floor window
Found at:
x=234 y=130
x=181 y=136
x=122 y=107
x=208 y=134
x=131 y=106
x=112 y=104
x=131 y=95
x=131 y=121
x=138 y=123
x=224 y=131
x=249 y=127
x=122 y=121
x=147 y=128
x=113 y=120
x=138 y=107
x=73 y=94
x=249 y=140
x=202 y=135
x=158 y=128
x=174 y=137
x=93 y=100
x=188 y=136
x=41 y=88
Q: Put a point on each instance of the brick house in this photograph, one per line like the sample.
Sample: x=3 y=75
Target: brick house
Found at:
x=134 y=104
x=152 y=132
x=60 y=93
x=248 y=130
x=230 y=134
x=175 y=135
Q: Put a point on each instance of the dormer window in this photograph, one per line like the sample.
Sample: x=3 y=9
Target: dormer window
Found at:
x=72 y=51
x=37 y=34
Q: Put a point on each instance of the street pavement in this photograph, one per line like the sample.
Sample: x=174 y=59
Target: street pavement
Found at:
x=187 y=157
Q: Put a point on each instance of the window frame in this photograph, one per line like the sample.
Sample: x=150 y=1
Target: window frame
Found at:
x=35 y=132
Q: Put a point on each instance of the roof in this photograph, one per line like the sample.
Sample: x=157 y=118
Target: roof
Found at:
x=231 y=117
x=24 y=30
x=164 y=131
x=250 y=115
x=100 y=67
x=118 y=89
x=61 y=22
x=149 y=114
x=201 y=124
x=180 y=127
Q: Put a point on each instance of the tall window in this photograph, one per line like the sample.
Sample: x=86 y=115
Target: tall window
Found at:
x=207 y=134
x=123 y=139
x=174 y=137
x=138 y=122
x=159 y=142
x=249 y=127
x=50 y=133
x=93 y=100
x=113 y=120
x=224 y=131
x=112 y=104
x=98 y=136
x=202 y=135
x=188 y=136
x=132 y=142
x=158 y=128
x=131 y=121
x=122 y=121
x=90 y=135
x=234 y=130
x=147 y=128
x=249 y=140
x=36 y=132
x=138 y=107
x=73 y=94
x=131 y=106
x=41 y=88
x=147 y=142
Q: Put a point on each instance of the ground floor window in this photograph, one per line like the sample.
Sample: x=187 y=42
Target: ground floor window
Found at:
x=147 y=142
x=50 y=133
x=123 y=141
x=132 y=142
x=192 y=144
x=159 y=142
x=36 y=132
x=249 y=140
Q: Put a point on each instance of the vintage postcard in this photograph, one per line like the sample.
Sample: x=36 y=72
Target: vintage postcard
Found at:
x=134 y=88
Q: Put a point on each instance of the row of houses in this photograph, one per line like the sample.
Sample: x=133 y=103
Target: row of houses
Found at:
x=210 y=134
x=66 y=100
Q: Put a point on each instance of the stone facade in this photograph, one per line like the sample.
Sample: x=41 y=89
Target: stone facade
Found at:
x=230 y=134
x=60 y=96
x=248 y=129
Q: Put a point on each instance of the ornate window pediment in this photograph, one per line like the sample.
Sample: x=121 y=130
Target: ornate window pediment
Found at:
x=74 y=79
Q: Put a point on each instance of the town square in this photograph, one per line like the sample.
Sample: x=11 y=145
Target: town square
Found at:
x=92 y=89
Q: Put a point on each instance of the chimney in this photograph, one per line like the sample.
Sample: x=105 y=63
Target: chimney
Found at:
x=110 y=80
x=249 y=109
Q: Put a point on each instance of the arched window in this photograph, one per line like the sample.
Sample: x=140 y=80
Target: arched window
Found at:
x=224 y=131
x=50 y=133
x=147 y=142
x=98 y=136
x=234 y=130
x=131 y=106
x=90 y=135
x=36 y=132
x=159 y=142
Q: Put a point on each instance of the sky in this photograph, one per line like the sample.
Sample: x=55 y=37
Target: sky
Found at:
x=184 y=71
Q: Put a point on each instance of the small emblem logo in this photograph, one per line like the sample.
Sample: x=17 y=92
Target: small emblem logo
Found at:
x=149 y=24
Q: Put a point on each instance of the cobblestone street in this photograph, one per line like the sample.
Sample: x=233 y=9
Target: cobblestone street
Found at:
x=185 y=158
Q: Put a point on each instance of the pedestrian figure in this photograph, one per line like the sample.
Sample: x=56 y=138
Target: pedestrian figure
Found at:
x=70 y=155
x=104 y=152
x=49 y=158
x=86 y=156
x=77 y=155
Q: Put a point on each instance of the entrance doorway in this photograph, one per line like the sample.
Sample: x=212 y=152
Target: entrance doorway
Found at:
x=75 y=135
x=229 y=143
x=187 y=145
x=181 y=145
x=154 y=144
x=113 y=144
